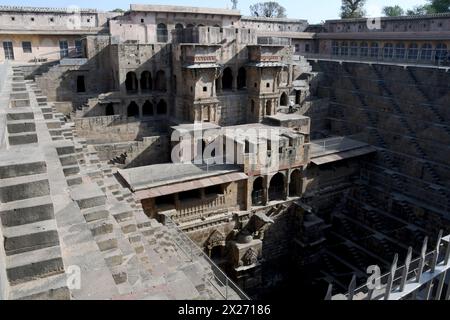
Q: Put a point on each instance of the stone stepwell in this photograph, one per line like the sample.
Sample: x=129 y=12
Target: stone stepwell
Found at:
x=69 y=230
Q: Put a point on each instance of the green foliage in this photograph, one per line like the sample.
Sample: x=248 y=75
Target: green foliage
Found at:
x=393 y=11
x=353 y=9
x=268 y=9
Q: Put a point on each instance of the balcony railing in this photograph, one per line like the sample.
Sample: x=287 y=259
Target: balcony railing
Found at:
x=274 y=41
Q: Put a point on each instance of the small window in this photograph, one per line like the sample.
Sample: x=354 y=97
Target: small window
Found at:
x=205 y=89
x=256 y=84
x=52 y=19
x=32 y=18
x=88 y=20
x=26 y=46
x=142 y=20
x=13 y=18
x=267 y=85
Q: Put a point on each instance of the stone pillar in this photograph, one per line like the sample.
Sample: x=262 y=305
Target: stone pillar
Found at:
x=235 y=81
x=141 y=112
x=139 y=89
x=286 y=187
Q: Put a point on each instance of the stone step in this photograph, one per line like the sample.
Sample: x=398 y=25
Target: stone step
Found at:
x=128 y=226
x=21 y=126
x=17 y=162
x=64 y=148
x=119 y=274
x=27 y=267
x=106 y=242
x=20 y=103
x=30 y=237
x=113 y=257
x=22 y=138
x=53 y=124
x=20 y=114
x=101 y=227
x=20 y=188
x=71 y=170
x=26 y=211
x=20 y=95
x=48 y=288
x=74 y=180
x=69 y=159
x=93 y=158
x=95 y=213
x=55 y=132
x=121 y=212
x=88 y=196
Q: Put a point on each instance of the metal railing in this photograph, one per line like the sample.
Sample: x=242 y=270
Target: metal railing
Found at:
x=435 y=59
x=218 y=280
x=410 y=278
x=274 y=41
x=333 y=144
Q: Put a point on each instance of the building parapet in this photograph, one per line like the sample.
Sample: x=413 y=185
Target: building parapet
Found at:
x=278 y=20
x=183 y=9
x=46 y=9
x=400 y=18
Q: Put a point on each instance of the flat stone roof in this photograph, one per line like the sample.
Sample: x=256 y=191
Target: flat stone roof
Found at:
x=275 y=132
x=195 y=127
x=183 y=9
x=279 y=20
x=164 y=174
x=287 y=117
x=338 y=148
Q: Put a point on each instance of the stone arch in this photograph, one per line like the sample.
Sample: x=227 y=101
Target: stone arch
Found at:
x=109 y=110
x=161 y=33
x=276 y=189
x=227 y=79
x=258 y=192
x=160 y=82
x=216 y=239
x=284 y=99
x=179 y=27
x=147 y=109
x=161 y=108
x=269 y=107
x=131 y=82
x=295 y=185
x=133 y=110
x=242 y=79
x=146 y=81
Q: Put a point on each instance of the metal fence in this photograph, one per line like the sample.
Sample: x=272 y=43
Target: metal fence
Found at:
x=422 y=278
x=218 y=279
x=274 y=41
x=433 y=59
